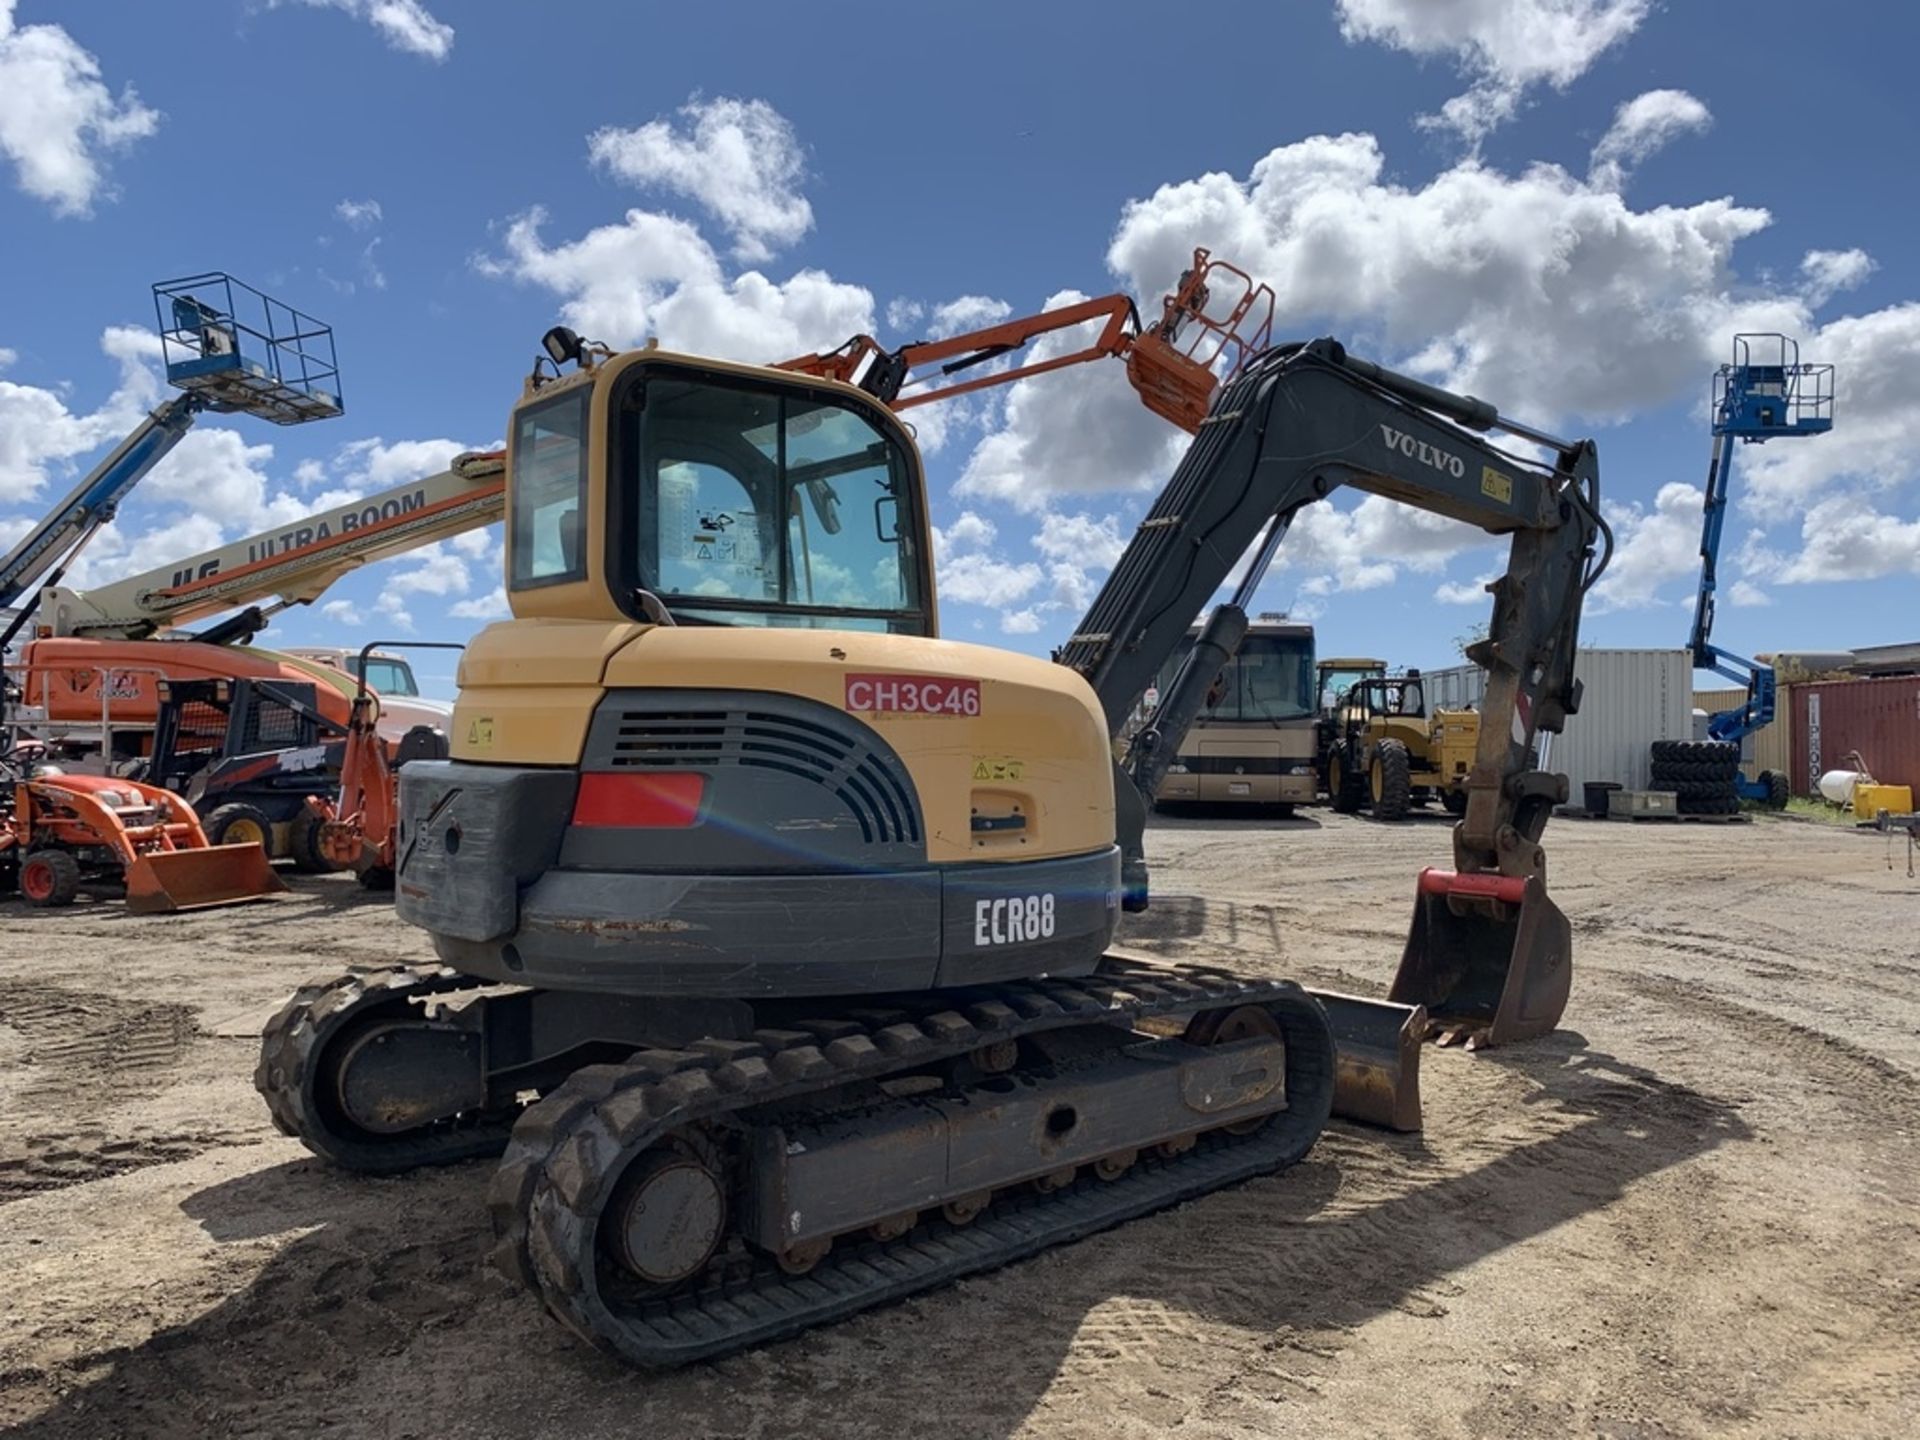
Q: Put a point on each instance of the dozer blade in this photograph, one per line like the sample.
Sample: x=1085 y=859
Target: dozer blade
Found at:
x=200 y=878
x=1376 y=1060
x=1489 y=956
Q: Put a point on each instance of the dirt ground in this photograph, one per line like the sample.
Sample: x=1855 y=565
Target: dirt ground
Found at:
x=1693 y=1211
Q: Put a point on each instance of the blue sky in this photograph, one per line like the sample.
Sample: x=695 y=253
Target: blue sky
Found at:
x=1564 y=206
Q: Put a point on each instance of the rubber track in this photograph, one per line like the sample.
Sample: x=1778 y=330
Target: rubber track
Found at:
x=569 y=1150
x=300 y=1033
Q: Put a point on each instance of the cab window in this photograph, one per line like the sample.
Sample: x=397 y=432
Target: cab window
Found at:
x=549 y=490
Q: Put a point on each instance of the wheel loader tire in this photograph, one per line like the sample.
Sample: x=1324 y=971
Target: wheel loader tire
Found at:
x=1778 y=791
x=240 y=824
x=1391 y=781
x=1456 y=802
x=49 y=878
x=303 y=846
x=376 y=880
x=1346 y=786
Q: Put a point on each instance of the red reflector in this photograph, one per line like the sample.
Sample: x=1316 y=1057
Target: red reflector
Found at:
x=650 y=800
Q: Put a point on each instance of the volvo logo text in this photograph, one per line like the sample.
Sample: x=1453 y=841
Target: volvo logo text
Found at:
x=1427 y=454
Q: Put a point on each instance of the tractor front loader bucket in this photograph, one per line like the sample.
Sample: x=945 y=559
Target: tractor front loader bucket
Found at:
x=1489 y=956
x=199 y=877
x=1376 y=1078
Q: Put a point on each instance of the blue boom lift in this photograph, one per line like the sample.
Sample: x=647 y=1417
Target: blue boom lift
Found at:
x=1773 y=397
x=227 y=348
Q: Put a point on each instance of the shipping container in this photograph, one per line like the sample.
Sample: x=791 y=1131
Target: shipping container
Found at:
x=1770 y=748
x=1878 y=718
x=1632 y=698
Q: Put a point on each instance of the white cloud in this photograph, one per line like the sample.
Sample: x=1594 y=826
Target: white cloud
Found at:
x=968 y=312
x=904 y=314
x=7 y=357
x=373 y=464
x=433 y=570
x=406 y=25
x=1828 y=272
x=969 y=532
x=490 y=606
x=1652 y=547
x=57 y=117
x=1503 y=47
x=1020 y=622
x=1463 y=592
x=1875 y=440
x=655 y=275
x=1748 y=595
x=1844 y=537
x=1640 y=127
x=1548 y=296
x=359 y=214
x=1079 y=431
x=340 y=612
x=1081 y=539
x=740 y=159
x=978 y=578
x=41 y=437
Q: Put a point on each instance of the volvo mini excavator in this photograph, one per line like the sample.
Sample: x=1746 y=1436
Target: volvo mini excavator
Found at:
x=777 y=930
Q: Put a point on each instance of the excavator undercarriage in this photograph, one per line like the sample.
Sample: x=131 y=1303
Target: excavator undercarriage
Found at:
x=692 y=1197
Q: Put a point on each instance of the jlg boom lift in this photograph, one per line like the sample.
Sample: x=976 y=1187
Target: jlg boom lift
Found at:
x=231 y=350
x=1774 y=397
x=803 y=914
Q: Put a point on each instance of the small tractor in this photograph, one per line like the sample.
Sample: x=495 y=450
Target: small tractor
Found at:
x=60 y=831
x=1389 y=754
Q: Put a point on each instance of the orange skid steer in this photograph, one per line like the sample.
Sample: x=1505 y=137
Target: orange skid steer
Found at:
x=65 y=830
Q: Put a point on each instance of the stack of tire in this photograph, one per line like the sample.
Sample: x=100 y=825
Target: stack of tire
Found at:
x=1701 y=774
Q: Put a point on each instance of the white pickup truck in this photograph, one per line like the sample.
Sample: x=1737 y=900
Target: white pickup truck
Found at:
x=391 y=678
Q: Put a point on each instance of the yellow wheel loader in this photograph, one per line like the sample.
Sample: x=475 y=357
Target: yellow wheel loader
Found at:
x=777 y=931
x=1389 y=755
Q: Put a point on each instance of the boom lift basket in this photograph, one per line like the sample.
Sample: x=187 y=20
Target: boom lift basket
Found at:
x=1489 y=956
x=241 y=350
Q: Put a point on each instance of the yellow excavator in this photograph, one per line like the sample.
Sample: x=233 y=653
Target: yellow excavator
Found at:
x=777 y=931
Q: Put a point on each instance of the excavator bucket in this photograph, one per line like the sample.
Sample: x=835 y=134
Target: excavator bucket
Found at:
x=1376 y=1078
x=1489 y=956
x=199 y=878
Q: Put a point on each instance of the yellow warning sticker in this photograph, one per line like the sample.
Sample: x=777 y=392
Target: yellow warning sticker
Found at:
x=997 y=767
x=480 y=733
x=1495 y=485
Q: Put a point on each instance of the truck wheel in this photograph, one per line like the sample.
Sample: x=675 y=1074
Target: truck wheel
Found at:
x=303 y=846
x=240 y=824
x=1392 y=781
x=1346 y=787
x=49 y=878
x=1455 y=801
x=1778 y=792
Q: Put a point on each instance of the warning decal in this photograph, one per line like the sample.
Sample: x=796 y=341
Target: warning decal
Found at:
x=997 y=767
x=913 y=695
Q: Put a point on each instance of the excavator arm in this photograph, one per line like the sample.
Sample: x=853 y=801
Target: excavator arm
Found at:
x=1489 y=954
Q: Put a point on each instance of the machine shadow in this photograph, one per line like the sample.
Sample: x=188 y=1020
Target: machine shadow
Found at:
x=1190 y=814
x=393 y=1281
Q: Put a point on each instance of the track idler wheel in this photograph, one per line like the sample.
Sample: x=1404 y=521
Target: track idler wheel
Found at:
x=668 y=1217
x=1223 y=1027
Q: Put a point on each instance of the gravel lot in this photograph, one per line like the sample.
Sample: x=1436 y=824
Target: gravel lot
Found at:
x=1693 y=1211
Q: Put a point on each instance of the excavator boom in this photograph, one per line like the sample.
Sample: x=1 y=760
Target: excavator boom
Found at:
x=1488 y=955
